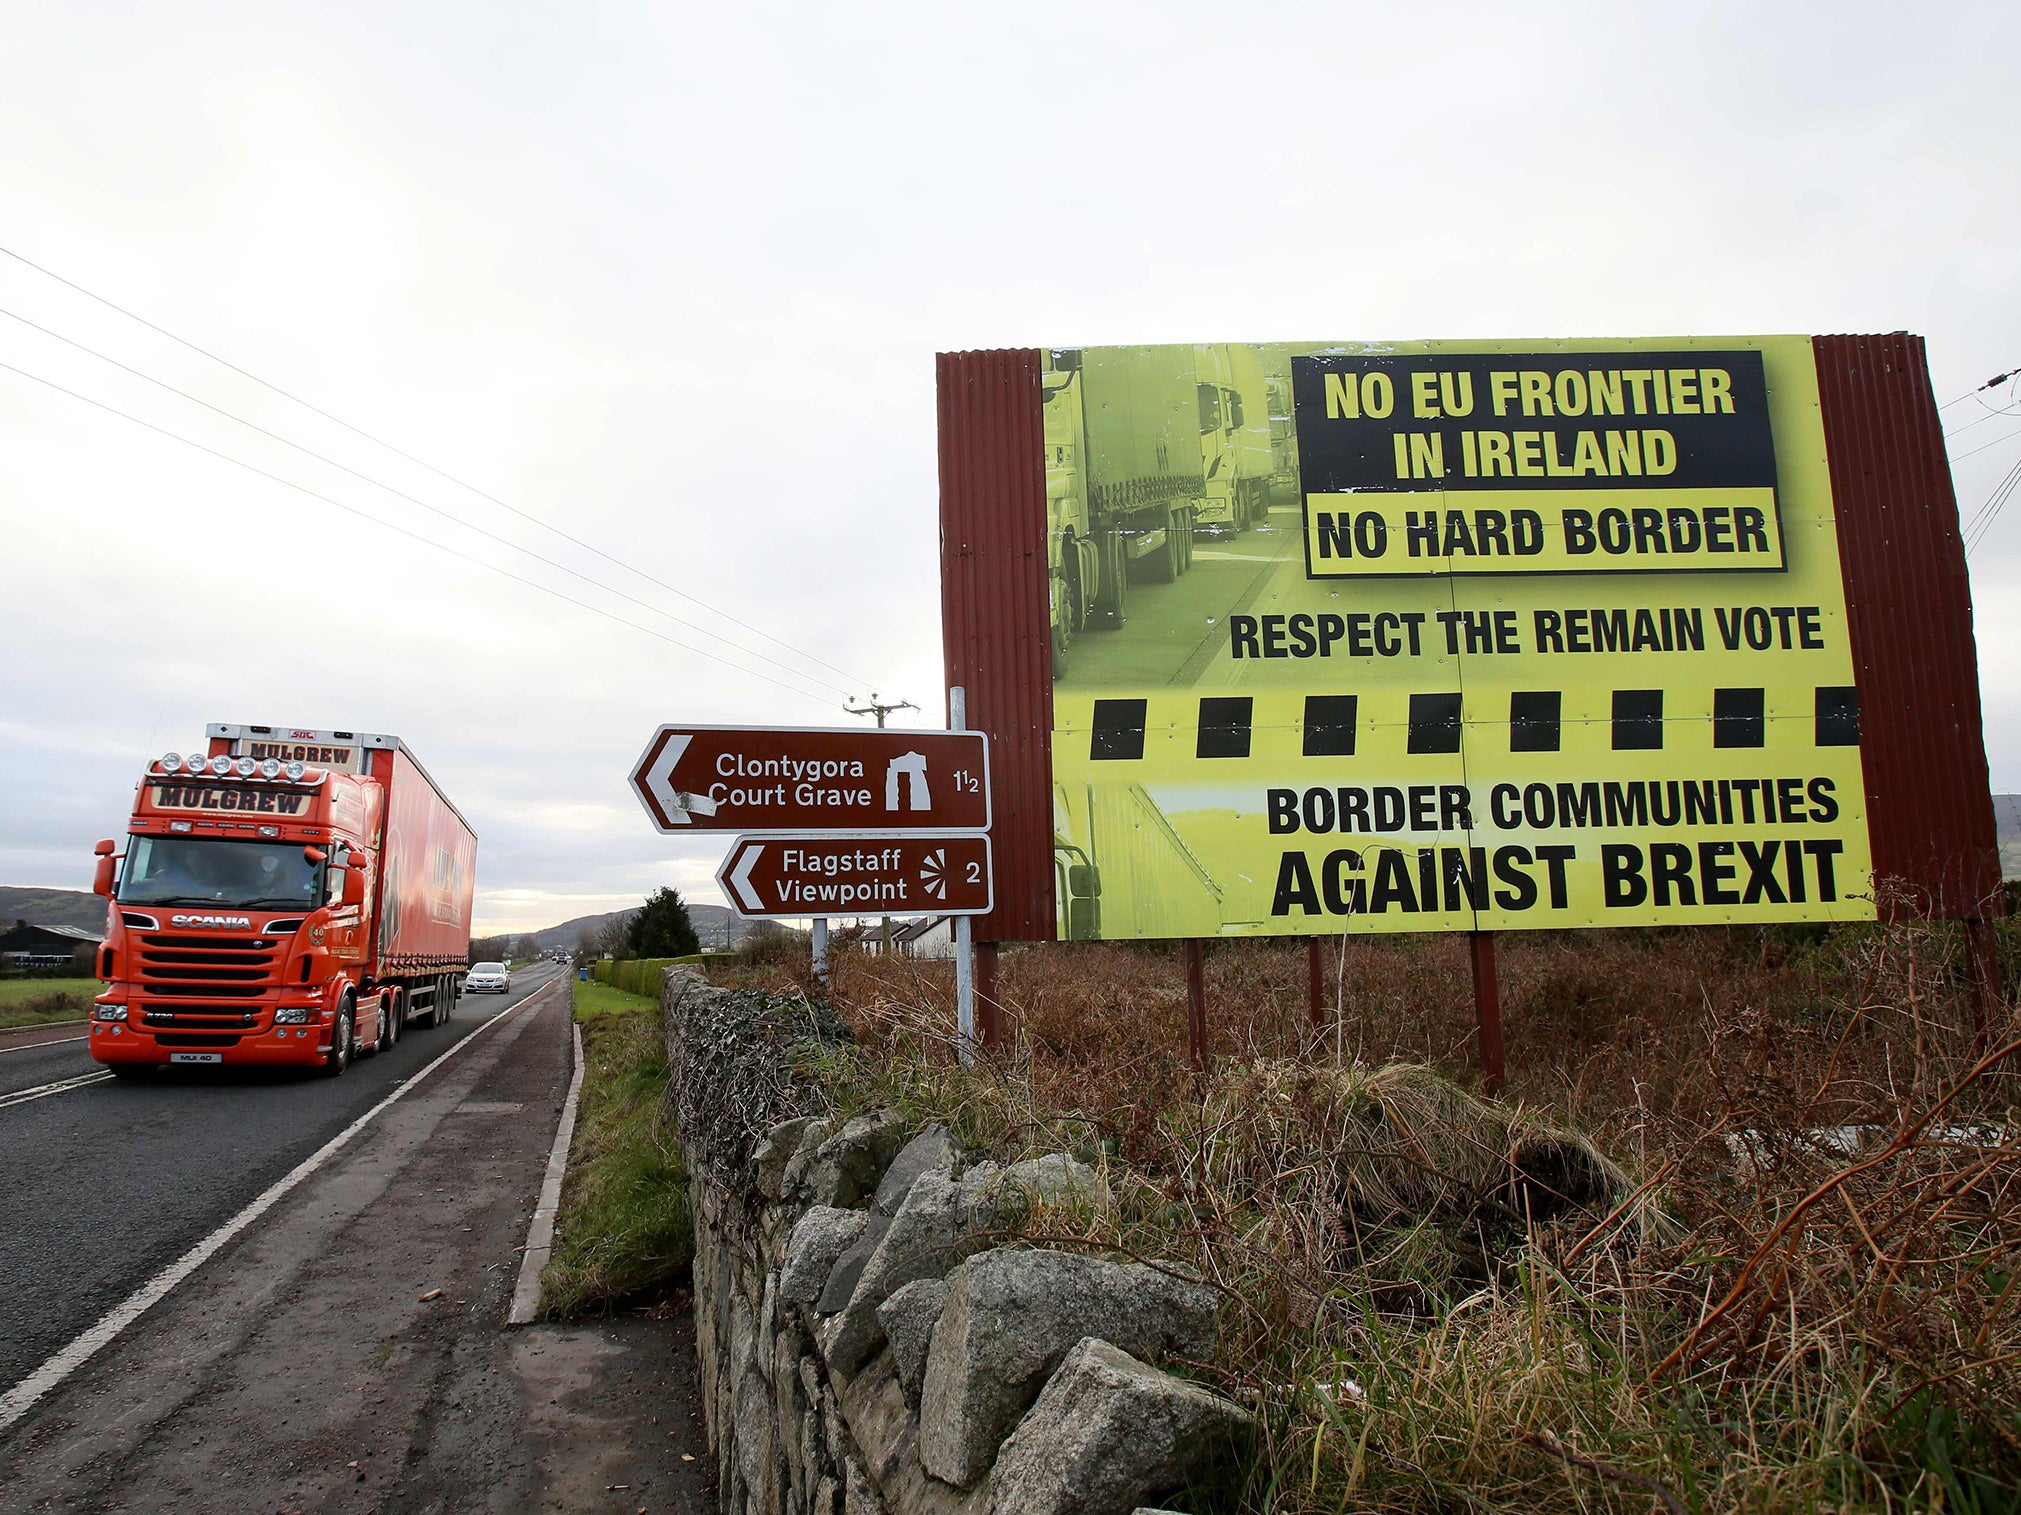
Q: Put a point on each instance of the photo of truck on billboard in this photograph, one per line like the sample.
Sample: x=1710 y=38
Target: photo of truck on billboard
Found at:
x=1486 y=636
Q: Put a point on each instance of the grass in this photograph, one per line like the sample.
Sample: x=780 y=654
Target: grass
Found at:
x=623 y=1232
x=1642 y=1281
x=38 y=1001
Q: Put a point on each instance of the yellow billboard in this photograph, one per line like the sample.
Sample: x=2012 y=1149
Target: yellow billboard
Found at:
x=1445 y=636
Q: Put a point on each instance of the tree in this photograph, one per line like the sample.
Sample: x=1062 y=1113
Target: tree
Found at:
x=662 y=928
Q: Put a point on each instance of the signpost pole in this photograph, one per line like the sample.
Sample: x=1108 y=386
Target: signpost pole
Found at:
x=1196 y=1003
x=1315 y=980
x=1487 y=1008
x=964 y=933
x=821 y=948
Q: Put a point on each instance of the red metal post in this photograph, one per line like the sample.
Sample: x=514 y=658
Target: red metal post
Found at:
x=1983 y=966
x=1315 y=979
x=1196 y=1003
x=1487 y=1008
x=988 y=1013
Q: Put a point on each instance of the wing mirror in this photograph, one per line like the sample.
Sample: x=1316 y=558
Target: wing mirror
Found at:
x=101 y=879
x=354 y=884
x=314 y=855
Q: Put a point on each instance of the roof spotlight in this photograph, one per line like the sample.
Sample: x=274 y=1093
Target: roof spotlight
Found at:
x=247 y=767
x=221 y=765
x=270 y=768
x=295 y=769
x=172 y=763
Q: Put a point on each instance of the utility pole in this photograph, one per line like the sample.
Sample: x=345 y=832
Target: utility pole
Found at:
x=881 y=711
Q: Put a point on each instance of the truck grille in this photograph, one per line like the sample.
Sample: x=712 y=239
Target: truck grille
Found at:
x=201 y=1019
x=177 y=973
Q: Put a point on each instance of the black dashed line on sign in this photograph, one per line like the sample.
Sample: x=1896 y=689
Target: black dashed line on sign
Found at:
x=1224 y=726
x=1118 y=731
x=1434 y=723
x=1329 y=725
x=1638 y=720
x=1838 y=716
x=1739 y=717
x=1535 y=720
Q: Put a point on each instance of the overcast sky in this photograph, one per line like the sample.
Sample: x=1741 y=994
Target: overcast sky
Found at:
x=671 y=278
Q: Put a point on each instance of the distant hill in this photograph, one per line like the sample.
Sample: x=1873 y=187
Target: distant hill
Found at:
x=2007 y=816
x=716 y=925
x=52 y=907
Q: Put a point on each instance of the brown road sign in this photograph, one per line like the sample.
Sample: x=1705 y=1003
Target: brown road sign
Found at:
x=778 y=779
x=849 y=875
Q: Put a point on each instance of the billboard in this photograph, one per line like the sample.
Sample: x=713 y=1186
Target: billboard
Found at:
x=1447 y=636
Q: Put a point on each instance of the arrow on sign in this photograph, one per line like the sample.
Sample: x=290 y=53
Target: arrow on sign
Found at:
x=739 y=879
x=678 y=805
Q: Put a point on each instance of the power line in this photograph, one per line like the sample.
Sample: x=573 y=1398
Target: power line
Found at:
x=1982 y=521
x=1994 y=443
x=412 y=535
x=1998 y=378
x=446 y=515
x=50 y=273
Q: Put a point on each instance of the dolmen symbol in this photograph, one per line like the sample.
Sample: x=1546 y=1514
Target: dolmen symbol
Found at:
x=912 y=764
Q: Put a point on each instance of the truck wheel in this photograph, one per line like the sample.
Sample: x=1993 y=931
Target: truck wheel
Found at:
x=1066 y=619
x=342 y=1035
x=1162 y=565
x=390 y=1011
x=1114 y=564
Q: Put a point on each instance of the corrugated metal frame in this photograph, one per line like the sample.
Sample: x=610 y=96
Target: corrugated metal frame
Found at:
x=995 y=612
x=1909 y=613
x=1908 y=603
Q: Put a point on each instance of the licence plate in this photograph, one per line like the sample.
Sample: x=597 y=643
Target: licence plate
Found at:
x=196 y=1057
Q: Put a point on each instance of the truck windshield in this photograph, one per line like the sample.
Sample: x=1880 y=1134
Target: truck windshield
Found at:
x=188 y=870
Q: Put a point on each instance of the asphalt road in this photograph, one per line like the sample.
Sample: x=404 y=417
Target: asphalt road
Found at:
x=346 y=1350
x=1177 y=634
x=109 y=1182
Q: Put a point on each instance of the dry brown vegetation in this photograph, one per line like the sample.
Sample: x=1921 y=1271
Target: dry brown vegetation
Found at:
x=1745 y=1235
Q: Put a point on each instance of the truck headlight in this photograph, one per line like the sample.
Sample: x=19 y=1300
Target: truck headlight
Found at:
x=110 y=1012
x=291 y=1015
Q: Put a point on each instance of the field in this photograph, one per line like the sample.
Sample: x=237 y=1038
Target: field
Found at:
x=1745 y=1234
x=37 y=1001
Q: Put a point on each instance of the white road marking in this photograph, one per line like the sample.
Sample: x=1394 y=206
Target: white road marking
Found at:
x=16 y=1401
x=43 y=1091
x=54 y=1041
x=540 y=1235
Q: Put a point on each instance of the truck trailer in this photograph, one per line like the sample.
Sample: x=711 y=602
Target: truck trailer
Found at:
x=288 y=897
x=1145 y=448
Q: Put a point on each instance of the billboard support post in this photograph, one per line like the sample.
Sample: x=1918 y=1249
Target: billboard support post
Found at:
x=1315 y=982
x=988 y=1013
x=1196 y=1003
x=1983 y=967
x=821 y=948
x=1487 y=1009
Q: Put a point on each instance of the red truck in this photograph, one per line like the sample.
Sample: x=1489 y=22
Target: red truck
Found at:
x=288 y=897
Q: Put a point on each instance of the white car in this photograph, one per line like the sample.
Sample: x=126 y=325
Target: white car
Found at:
x=488 y=978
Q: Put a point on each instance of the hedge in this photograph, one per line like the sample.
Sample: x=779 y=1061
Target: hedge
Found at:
x=641 y=975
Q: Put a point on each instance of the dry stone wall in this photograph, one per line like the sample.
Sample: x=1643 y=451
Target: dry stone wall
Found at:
x=867 y=1344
